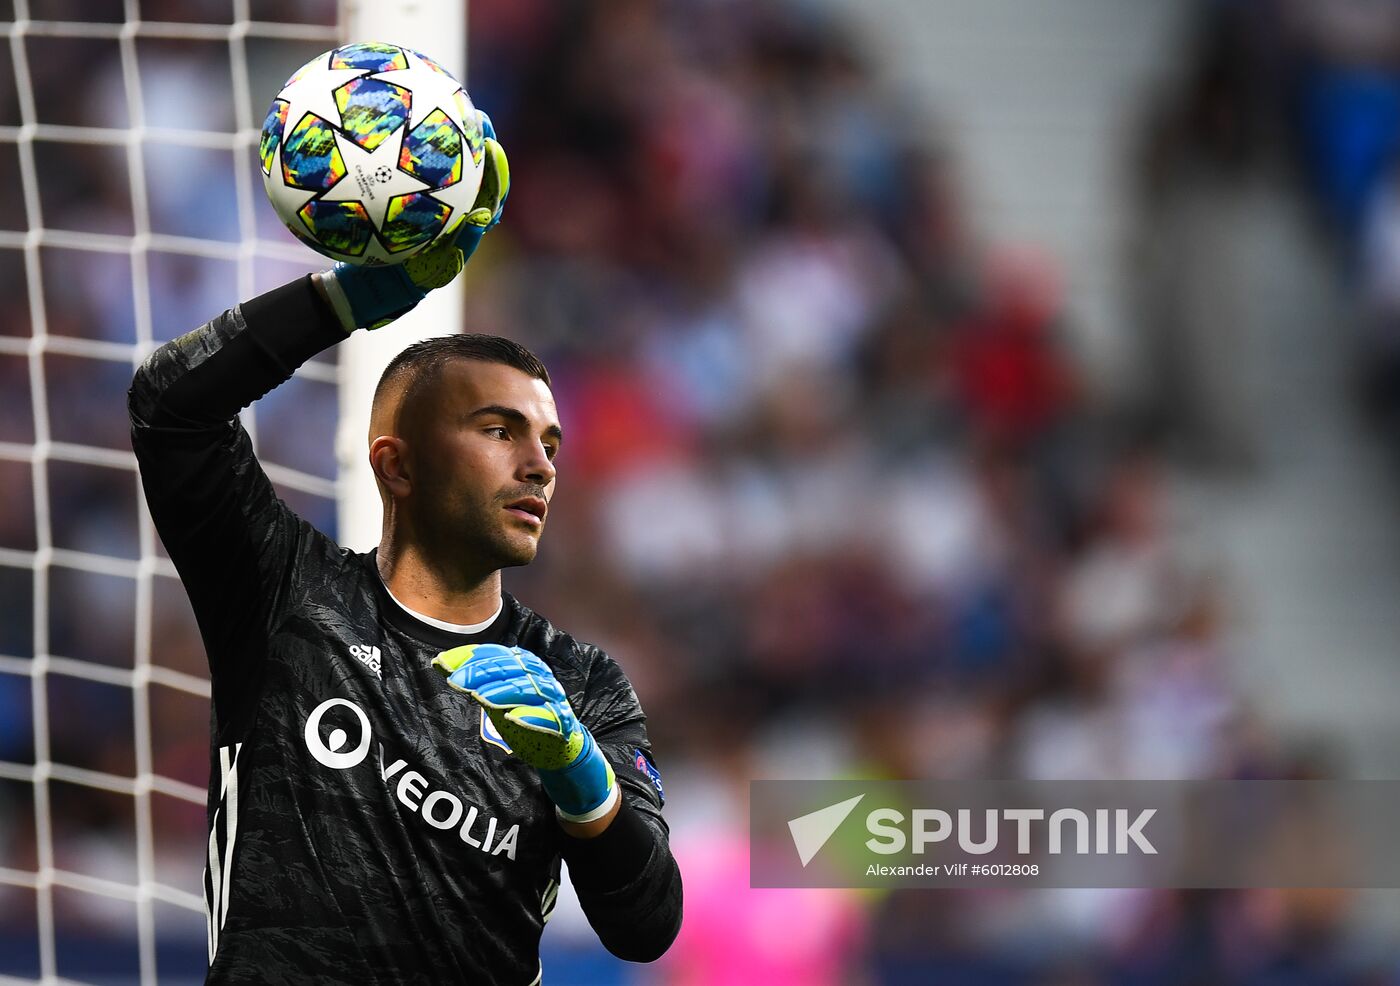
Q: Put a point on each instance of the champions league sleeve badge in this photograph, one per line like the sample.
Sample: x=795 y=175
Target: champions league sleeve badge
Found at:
x=643 y=764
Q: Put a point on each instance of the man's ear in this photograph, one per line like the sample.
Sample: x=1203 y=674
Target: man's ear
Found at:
x=388 y=457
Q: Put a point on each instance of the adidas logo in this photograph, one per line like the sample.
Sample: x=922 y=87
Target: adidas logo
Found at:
x=368 y=656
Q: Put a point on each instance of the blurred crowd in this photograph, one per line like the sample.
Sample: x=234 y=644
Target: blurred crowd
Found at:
x=835 y=495
x=1302 y=94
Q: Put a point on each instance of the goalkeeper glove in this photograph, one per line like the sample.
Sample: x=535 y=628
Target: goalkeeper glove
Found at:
x=529 y=708
x=375 y=296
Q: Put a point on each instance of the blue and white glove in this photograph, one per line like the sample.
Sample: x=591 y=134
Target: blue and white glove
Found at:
x=529 y=708
x=370 y=297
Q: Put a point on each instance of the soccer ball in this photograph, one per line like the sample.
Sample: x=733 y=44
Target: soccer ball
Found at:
x=371 y=153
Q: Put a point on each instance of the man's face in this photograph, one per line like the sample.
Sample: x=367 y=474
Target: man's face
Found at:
x=481 y=443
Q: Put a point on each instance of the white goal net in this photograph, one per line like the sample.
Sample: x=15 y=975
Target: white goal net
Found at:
x=131 y=211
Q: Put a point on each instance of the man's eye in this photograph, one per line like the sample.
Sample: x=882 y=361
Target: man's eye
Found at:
x=551 y=451
x=498 y=430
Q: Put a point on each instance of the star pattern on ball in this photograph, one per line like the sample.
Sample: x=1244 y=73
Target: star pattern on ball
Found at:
x=314 y=92
x=430 y=87
x=372 y=177
x=371 y=206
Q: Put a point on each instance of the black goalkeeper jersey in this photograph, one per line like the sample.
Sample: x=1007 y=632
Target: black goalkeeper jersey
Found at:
x=366 y=822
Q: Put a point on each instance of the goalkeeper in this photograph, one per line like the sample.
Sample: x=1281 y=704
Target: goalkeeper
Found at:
x=401 y=753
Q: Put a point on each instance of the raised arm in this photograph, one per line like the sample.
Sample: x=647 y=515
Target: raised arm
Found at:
x=232 y=540
x=205 y=377
x=234 y=543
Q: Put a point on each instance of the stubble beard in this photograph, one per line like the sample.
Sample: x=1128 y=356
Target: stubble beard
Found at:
x=512 y=549
x=484 y=533
x=470 y=528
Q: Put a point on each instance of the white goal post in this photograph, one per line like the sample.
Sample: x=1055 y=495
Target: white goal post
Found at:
x=437 y=28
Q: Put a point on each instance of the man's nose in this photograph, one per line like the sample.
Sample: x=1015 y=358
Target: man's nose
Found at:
x=537 y=468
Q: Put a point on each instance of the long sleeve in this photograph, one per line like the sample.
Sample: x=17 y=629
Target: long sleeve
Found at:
x=232 y=540
x=207 y=376
x=627 y=879
x=629 y=885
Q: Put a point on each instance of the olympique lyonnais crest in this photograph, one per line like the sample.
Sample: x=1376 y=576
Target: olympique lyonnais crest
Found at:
x=491 y=734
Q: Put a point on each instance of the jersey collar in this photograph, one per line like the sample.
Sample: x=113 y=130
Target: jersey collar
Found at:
x=394 y=613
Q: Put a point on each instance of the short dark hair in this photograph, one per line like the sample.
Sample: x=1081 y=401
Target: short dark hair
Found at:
x=424 y=360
